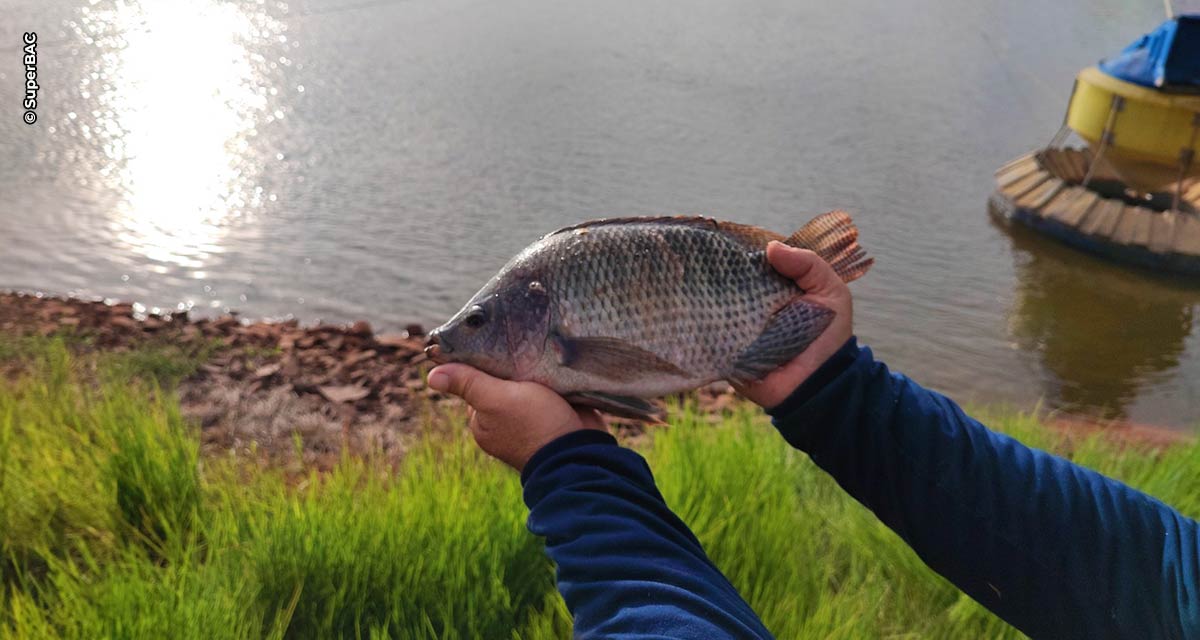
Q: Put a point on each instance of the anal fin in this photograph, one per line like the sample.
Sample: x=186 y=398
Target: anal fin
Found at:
x=621 y=406
x=788 y=333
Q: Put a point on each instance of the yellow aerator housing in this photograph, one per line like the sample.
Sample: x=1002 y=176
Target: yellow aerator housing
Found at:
x=1151 y=131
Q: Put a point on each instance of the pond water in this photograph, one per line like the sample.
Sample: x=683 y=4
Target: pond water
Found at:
x=379 y=159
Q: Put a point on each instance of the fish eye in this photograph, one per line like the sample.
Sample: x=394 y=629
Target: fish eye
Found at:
x=476 y=318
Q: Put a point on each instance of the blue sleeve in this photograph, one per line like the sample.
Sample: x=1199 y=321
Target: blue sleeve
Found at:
x=1057 y=550
x=627 y=566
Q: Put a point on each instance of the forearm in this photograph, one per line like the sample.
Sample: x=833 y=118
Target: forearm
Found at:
x=626 y=564
x=1055 y=549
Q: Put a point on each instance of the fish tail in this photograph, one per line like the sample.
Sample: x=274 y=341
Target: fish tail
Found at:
x=834 y=237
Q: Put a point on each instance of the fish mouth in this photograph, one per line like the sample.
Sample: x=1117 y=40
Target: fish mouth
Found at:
x=436 y=349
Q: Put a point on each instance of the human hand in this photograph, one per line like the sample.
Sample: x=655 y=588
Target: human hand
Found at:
x=822 y=286
x=511 y=421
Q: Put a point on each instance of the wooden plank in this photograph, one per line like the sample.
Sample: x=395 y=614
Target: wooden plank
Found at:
x=1012 y=189
x=1085 y=163
x=1021 y=187
x=1012 y=164
x=1079 y=161
x=1039 y=197
x=1027 y=164
x=1187 y=235
x=1102 y=221
x=1133 y=226
x=1162 y=230
x=1077 y=209
x=1058 y=206
x=1018 y=173
x=1120 y=210
x=1065 y=167
x=1078 y=165
x=1051 y=160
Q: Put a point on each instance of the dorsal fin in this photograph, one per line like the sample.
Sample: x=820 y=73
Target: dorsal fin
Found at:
x=753 y=237
x=698 y=221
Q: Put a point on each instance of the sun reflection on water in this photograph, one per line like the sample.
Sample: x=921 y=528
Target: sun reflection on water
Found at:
x=180 y=94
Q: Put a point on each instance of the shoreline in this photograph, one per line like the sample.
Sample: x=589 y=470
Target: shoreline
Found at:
x=261 y=383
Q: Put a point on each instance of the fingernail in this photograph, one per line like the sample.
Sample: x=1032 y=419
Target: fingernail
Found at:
x=438 y=381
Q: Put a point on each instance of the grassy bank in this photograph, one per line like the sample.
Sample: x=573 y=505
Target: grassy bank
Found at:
x=113 y=525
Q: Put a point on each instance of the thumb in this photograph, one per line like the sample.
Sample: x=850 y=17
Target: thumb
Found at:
x=809 y=270
x=476 y=387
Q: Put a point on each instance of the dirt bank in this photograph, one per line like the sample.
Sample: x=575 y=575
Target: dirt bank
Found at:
x=261 y=382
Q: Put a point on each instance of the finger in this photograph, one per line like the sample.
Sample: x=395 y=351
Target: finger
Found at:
x=480 y=390
x=808 y=269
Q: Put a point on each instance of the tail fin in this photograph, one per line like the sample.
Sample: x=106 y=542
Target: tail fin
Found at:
x=834 y=237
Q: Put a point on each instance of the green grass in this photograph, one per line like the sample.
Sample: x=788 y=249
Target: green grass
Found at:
x=112 y=525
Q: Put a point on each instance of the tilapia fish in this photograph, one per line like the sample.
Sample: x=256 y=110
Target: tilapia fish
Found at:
x=613 y=311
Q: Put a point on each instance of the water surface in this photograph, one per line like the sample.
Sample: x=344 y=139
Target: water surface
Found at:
x=378 y=159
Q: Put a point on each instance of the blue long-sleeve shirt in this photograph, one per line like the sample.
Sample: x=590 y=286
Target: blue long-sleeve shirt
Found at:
x=1057 y=550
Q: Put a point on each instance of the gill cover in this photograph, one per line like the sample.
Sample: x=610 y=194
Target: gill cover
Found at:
x=527 y=322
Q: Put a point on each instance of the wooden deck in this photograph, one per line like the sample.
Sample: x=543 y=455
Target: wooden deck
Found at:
x=1043 y=190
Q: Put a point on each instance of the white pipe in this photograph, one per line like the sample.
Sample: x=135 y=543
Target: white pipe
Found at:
x=1169 y=8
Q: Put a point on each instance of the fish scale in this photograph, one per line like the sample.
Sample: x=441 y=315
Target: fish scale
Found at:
x=612 y=311
x=650 y=307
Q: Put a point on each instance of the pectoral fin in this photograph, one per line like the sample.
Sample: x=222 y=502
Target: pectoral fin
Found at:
x=621 y=406
x=610 y=358
x=789 y=332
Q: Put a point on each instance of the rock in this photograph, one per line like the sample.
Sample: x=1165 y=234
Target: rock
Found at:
x=343 y=393
x=261 y=331
x=122 y=309
x=401 y=343
x=287 y=341
x=267 y=371
x=126 y=322
x=290 y=367
x=357 y=357
x=361 y=328
x=414 y=330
